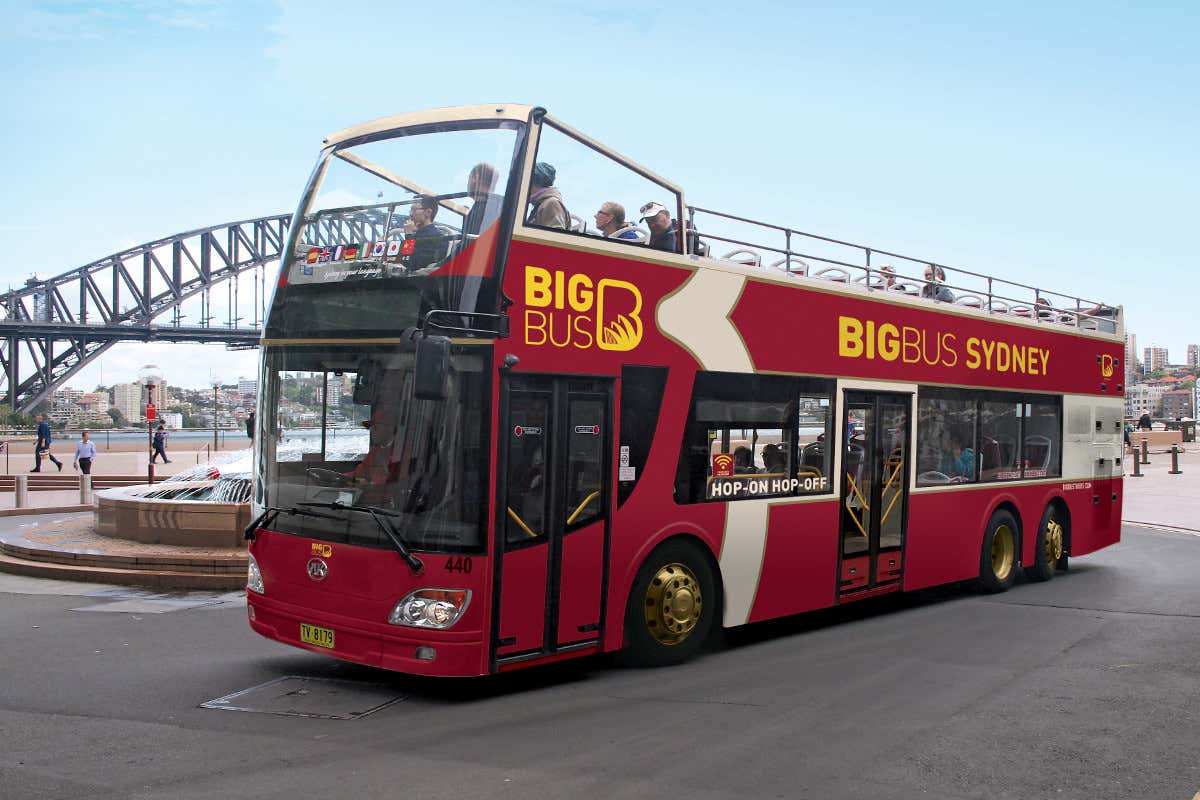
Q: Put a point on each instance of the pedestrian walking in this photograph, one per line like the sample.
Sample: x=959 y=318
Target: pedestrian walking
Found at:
x=42 y=448
x=250 y=425
x=85 y=451
x=160 y=445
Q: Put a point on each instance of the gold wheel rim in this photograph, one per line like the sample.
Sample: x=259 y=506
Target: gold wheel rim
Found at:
x=673 y=604
x=1003 y=552
x=1054 y=541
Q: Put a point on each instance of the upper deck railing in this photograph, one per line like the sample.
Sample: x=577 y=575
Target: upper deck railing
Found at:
x=807 y=254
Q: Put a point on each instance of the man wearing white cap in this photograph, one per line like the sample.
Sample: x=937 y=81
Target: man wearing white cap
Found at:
x=662 y=227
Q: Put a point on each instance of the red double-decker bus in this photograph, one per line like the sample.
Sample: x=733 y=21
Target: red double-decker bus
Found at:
x=520 y=403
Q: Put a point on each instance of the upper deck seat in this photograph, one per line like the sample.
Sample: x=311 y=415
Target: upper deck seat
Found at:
x=834 y=274
x=797 y=266
x=905 y=288
x=998 y=306
x=1022 y=311
x=577 y=224
x=969 y=300
x=872 y=281
x=747 y=258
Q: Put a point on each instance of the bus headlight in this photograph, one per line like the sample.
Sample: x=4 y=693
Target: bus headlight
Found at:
x=254 y=581
x=430 y=608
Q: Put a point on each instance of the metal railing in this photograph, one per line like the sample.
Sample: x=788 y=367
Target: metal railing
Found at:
x=799 y=253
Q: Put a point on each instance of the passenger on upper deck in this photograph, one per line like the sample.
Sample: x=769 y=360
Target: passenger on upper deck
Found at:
x=429 y=242
x=610 y=219
x=548 y=209
x=662 y=227
x=887 y=275
x=935 y=276
x=481 y=185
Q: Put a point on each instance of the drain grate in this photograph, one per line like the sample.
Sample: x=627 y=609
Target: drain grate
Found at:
x=319 y=698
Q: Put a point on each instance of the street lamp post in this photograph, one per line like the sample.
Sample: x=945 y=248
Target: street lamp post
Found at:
x=216 y=385
x=150 y=431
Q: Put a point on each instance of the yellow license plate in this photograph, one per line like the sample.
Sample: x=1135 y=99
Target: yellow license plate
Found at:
x=321 y=637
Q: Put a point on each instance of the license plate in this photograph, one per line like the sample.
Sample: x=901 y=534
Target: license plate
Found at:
x=321 y=637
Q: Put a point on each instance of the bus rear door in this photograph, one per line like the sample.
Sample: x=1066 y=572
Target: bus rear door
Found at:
x=552 y=529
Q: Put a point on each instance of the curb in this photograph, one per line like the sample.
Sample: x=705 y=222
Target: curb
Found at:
x=19 y=512
x=1162 y=527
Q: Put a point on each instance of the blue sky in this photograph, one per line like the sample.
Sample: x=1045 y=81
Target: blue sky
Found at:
x=1051 y=143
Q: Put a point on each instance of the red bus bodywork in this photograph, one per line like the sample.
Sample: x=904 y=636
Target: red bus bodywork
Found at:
x=774 y=557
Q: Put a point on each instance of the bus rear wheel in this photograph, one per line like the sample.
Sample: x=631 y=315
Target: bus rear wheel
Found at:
x=1048 y=552
x=671 y=606
x=998 y=556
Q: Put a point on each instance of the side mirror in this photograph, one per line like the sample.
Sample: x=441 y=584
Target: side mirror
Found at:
x=431 y=368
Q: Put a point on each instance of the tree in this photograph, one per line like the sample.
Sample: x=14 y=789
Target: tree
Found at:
x=118 y=418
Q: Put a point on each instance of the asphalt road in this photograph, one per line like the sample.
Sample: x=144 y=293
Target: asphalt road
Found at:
x=1086 y=687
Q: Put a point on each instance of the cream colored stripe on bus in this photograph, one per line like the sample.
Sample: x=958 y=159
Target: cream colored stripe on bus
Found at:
x=696 y=316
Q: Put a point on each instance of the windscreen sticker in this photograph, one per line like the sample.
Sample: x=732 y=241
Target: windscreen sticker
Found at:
x=589 y=430
x=522 y=430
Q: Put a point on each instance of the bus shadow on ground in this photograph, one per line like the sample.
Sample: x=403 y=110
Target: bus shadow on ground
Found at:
x=455 y=691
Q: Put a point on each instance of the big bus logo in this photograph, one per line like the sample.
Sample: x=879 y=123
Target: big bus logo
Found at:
x=571 y=311
x=1106 y=365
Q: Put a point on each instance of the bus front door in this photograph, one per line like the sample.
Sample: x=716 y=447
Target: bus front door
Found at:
x=556 y=436
x=874 y=495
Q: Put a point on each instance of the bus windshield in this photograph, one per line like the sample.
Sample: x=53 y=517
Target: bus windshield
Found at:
x=341 y=426
x=393 y=227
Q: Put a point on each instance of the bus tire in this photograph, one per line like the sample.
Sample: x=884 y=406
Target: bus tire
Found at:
x=671 y=606
x=998 y=556
x=1049 y=548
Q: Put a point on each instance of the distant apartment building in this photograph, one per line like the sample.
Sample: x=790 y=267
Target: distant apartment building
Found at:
x=172 y=419
x=1131 y=358
x=64 y=403
x=1155 y=358
x=130 y=400
x=1193 y=356
x=1177 y=403
x=247 y=387
x=1144 y=398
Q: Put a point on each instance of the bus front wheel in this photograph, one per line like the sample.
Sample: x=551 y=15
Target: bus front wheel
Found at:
x=671 y=606
x=1048 y=553
x=998 y=556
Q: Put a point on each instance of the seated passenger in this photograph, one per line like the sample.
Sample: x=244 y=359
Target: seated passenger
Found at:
x=481 y=185
x=429 y=241
x=662 y=227
x=935 y=276
x=959 y=460
x=743 y=461
x=547 y=209
x=774 y=460
x=610 y=219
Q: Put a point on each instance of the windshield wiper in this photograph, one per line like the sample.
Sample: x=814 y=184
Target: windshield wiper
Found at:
x=414 y=563
x=271 y=512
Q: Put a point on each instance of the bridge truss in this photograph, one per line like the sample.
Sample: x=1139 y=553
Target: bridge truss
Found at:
x=54 y=327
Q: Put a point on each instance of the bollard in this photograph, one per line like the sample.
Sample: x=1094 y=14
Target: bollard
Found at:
x=1145 y=452
x=85 y=490
x=1137 y=467
x=1175 y=470
x=22 y=491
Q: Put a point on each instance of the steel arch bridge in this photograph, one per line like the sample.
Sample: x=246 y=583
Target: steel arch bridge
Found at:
x=53 y=327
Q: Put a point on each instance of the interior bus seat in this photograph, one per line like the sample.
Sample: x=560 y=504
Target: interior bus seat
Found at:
x=643 y=235
x=1037 y=452
x=747 y=258
x=834 y=274
x=989 y=453
x=798 y=266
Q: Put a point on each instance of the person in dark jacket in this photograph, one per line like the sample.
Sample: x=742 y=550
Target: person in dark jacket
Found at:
x=428 y=241
x=481 y=186
x=250 y=425
x=42 y=448
x=662 y=227
x=1144 y=423
x=934 y=289
x=160 y=444
x=548 y=210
